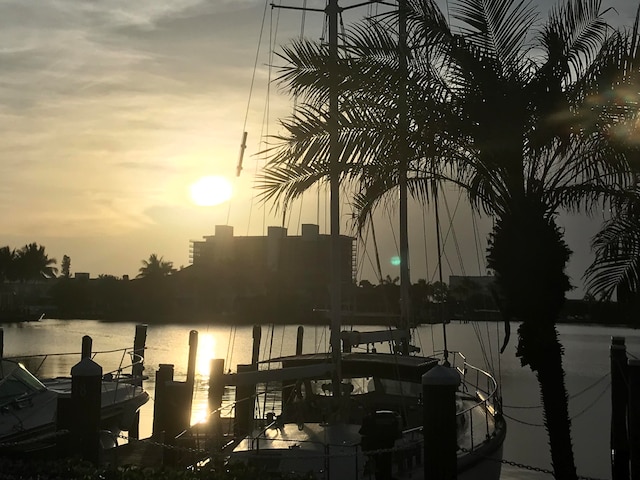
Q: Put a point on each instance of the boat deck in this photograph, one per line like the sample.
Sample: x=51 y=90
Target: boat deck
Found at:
x=310 y=448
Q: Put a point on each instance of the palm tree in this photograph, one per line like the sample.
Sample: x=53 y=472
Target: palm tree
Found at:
x=155 y=267
x=540 y=147
x=7 y=263
x=529 y=125
x=32 y=263
x=616 y=267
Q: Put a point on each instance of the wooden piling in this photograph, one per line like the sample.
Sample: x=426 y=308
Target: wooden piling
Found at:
x=216 y=387
x=193 y=353
x=257 y=338
x=87 y=343
x=191 y=375
x=619 y=400
x=298 y=384
x=86 y=395
x=214 y=397
x=299 y=340
x=161 y=410
x=139 y=343
x=439 y=387
x=245 y=405
x=633 y=417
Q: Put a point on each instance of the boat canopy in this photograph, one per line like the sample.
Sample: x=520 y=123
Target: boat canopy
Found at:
x=356 y=364
x=16 y=382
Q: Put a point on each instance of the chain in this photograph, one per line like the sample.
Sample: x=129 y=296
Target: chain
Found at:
x=29 y=441
x=524 y=466
x=164 y=445
x=205 y=452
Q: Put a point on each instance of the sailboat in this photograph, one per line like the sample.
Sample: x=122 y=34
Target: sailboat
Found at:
x=361 y=414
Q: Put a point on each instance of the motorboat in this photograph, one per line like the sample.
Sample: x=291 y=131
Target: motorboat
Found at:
x=29 y=407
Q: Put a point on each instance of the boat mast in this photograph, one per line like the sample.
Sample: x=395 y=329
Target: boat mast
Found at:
x=332 y=11
x=403 y=163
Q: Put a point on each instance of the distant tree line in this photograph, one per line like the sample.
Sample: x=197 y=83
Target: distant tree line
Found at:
x=26 y=264
x=161 y=292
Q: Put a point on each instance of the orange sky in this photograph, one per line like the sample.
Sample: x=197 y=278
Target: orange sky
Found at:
x=111 y=109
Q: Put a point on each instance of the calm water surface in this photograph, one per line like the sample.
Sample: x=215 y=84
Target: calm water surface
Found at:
x=586 y=363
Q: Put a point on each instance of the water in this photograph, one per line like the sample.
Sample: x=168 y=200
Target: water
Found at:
x=586 y=363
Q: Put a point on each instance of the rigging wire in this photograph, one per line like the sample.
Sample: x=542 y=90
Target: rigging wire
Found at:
x=476 y=239
x=426 y=262
x=577 y=415
x=246 y=115
x=266 y=113
x=452 y=231
x=439 y=246
x=570 y=397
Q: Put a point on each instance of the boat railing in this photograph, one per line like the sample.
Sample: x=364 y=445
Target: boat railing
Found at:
x=123 y=373
x=482 y=401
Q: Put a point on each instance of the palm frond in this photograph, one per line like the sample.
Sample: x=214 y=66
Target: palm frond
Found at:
x=498 y=29
x=573 y=35
x=617 y=258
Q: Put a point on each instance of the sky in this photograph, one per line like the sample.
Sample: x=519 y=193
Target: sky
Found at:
x=111 y=109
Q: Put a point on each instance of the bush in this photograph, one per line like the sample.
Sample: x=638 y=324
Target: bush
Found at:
x=70 y=469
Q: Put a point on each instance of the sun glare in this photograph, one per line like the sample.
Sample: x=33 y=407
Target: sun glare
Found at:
x=206 y=351
x=210 y=191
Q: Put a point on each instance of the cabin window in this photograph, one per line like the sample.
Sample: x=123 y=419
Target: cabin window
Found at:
x=397 y=387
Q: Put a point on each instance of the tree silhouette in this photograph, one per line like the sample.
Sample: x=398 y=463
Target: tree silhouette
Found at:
x=32 y=263
x=155 y=267
x=7 y=264
x=66 y=266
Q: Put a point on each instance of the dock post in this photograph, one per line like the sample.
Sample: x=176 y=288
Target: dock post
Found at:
x=257 y=338
x=245 y=404
x=161 y=412
x=193 y=353
x=87 y=343
x=191 y=374
x=86 y=391
x=619 y=399
x=299 y=340
x=439 y=387
x=633 y=416
x=1 y=343
x=214 y=397
x=139 y=343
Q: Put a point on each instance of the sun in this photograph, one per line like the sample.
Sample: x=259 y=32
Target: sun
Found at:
x=211 y=190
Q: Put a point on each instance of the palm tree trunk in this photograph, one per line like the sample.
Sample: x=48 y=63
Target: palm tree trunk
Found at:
x=540 y=348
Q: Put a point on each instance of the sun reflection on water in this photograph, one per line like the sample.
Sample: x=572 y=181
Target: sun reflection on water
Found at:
x=206 y=352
